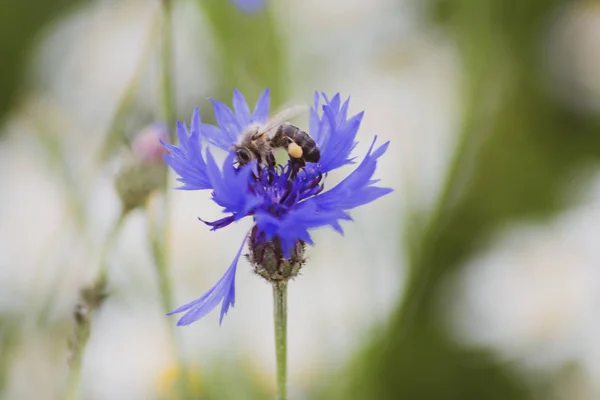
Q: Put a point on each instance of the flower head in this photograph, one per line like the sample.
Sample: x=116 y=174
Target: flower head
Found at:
x=143 y=171
x=250 y=6
x=146 y=145
x=286 y=201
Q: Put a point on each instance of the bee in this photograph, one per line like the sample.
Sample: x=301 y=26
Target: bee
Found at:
x=300 y=146
x=257 y=142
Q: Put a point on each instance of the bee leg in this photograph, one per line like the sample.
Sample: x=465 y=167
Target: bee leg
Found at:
x=277 y=139
x=297 y=165
x=270 y=160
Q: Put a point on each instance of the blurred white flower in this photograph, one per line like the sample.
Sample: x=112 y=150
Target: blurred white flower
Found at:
x=533 y=297
x=573 y=56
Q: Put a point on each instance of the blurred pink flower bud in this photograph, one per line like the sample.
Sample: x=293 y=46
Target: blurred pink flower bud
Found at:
x=146 y=144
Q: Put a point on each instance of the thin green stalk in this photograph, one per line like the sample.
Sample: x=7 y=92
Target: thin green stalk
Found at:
x=419 y=276
x=110 y=238
x=161 y=230
x=9 y=339
x=280 y=319
x=166 y=59
x=166 y=293
x=90 y=300
x=158 y=254
x=115 y=134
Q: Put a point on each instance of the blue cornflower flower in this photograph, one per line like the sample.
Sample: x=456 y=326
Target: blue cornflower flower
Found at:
x=285 y=201
x=250 y=6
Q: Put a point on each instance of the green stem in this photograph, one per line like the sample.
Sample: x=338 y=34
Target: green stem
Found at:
x=116 y=135
x=157 y=244
x=421 y=276
x=161 y=231
x=9 y=336
x=166 y=294
x=110 y=238
x=280 y=319
x=90 y=300
x=166 y=58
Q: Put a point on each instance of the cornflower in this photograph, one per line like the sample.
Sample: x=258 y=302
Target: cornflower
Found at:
x=285 y=201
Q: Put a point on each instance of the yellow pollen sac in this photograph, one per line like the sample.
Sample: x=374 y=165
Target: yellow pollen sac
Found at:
x=294 y=150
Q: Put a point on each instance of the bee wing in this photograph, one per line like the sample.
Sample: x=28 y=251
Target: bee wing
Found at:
x=283 y=116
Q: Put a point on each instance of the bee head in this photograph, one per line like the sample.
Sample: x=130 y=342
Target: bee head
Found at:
x=260 y=136
x=244 y=156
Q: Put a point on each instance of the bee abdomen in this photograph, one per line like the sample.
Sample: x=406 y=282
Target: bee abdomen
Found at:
x=287 y=133
x=312 y=154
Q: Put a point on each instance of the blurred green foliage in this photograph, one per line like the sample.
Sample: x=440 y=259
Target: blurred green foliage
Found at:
x=250 y=56
x=251 y=52
x=223 y=380
x=516 y=152
x=9 y=335
x=20 y=21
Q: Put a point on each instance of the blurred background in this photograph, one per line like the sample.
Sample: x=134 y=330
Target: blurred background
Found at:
x=477 y=278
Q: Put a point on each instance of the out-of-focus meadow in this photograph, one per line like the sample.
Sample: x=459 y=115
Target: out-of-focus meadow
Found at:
x=477 y=278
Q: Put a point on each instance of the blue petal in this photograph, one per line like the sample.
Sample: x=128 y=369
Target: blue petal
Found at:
x=261 y=110
x=356 y=189
x=340 y=142
x=227 y=121
x=211 y=134
x=232 y=124
x=223 y=290
x=220 y=223
x=231 y=188
x=216 y=137
x=334 y=133
x=242 y=112
x=334 y=102
x=295 y=224
x=317 y=126
x=187 y=161
x=326 y=209
x=196 y=122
